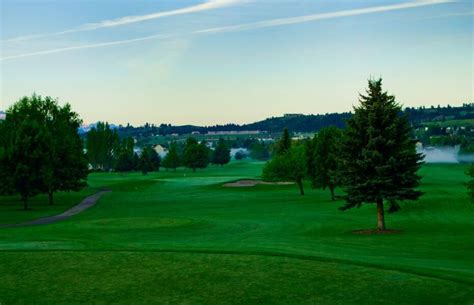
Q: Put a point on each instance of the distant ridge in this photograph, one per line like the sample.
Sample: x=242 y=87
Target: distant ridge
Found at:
x=295 y=122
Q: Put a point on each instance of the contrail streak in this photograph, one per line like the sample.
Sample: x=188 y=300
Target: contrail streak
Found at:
x=250 y=26
x=88 y=46
x=313 y=17
x=209 y=5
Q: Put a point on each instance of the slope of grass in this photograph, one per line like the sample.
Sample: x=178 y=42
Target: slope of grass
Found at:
x=183 y=238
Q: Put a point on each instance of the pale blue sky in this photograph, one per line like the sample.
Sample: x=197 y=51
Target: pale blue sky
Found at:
x=220 y=61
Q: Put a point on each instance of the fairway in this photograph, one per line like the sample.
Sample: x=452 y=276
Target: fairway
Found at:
x=182 y=238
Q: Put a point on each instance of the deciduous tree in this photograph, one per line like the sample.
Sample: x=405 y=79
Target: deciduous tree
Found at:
x=322 y=157
x=221 y=154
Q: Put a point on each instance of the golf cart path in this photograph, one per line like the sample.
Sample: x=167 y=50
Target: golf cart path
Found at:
x=82 y=206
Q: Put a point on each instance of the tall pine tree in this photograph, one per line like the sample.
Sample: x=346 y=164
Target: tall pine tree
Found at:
x=379 y=158
x=284 y=144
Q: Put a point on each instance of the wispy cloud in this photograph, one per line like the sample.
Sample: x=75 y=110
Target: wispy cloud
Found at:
x=231 y=28
x=81 y=47
x=314 y=17
x=209 y=5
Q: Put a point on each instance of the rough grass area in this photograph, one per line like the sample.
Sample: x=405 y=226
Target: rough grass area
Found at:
x=182 y=238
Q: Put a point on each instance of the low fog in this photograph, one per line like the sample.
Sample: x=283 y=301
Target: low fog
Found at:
x=447 y=154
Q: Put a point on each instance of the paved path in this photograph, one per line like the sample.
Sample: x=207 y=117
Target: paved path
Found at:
x=84 y=205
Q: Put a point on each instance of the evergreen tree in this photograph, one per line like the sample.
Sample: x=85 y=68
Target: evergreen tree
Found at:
x=221 y=154
x=379 y=158
x=290 y=165
x=172 y=160
x=284 y=144
x=322 y=157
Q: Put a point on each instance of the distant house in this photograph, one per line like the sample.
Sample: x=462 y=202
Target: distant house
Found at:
x=160 y=150
x=2 y=115
x=195 y=132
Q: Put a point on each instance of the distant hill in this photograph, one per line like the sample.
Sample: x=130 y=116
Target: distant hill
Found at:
x=299 y=122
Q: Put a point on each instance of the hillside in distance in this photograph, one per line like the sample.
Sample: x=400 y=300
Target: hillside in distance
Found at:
x=301 y=122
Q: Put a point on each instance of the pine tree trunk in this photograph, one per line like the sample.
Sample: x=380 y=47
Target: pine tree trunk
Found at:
x=299 y=181
x=50 y=197
x=331 y=188
x=380 y=215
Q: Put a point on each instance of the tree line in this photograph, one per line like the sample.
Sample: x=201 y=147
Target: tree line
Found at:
x=373 y=159
x=41 y=151
x=106 y=151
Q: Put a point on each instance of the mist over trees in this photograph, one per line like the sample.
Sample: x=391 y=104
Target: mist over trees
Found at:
x=41 y=149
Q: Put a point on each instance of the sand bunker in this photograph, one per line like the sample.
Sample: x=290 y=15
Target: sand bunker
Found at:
x=249 y=183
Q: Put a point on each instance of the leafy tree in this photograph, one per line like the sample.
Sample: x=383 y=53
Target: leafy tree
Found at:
x=284 y=144
x=68 y=165
x=290 y=165
x=125 y=156
x=172 y=160
x=380 y=161
x=195 y=155
x=221 y=154
x=259 y=151
x=102 y=146
x=149 y=160
x=322 y=157
x=41 y=150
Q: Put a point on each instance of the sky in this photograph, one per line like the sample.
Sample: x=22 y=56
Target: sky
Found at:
x=232 y=61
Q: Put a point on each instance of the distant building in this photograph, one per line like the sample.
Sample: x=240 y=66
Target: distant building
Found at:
x=234 y=132
x=160 y=150
x=2 y=115
x=195 y=132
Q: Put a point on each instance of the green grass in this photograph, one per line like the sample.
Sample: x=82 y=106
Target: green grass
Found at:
x=182 y=238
